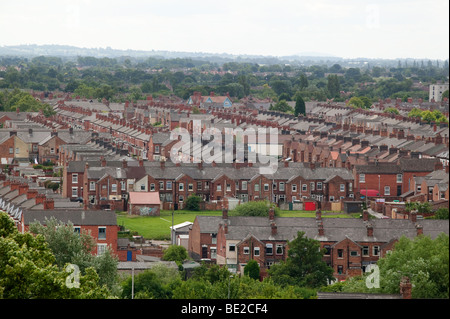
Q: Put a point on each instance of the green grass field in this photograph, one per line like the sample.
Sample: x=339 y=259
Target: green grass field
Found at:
x=157 y=227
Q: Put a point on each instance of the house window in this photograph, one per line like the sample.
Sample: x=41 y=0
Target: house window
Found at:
x=228 y=187
x=219 y=187
x=340 y=269
x=180 y=198
x=304 y=187
x=342 y=188
x=206 y=185
x=114 y=188
x=311 y=185
x=156 y=149
x=152 y=187
x=231 y=247
x=319 y=186
x=181 y=187
x=365 y=251
x=11 y=150
x=213 y=252
x=399 y=178
x=161 y=185
x=327 y=250
x=190 y=187
x=213 y=238
x=331 y=198
x=77 y=229
x=169 y=185
x=101 y=248
x=52 y=151
x=279 y=250
x=266 y=187
x=246 y=250
x=376 y=250
x=142 y=187
x=256 y=187
x=340 y=253
x=199 y=186
x=350 y=187
x=281 y=186
x=244 y=185
x=102 y=233
x=74 y=192
x=269 y=249
x=92 y=186
x=256 y=251
x=17 y=150
x=294 y=187
x=354 y=253
x=74 y=178
x=362 y=178
x=387 y=190
x=123 y=185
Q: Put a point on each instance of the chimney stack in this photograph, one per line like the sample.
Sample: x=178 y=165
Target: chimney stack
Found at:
x=369 y=230
x=318 y=215
x=419 y=229
x=49 y=204
x=224 y=213
x=273 y=226
x=413 y=216
x=405 y=288
x=365 y=215
x=321 y=230
x=271 y=214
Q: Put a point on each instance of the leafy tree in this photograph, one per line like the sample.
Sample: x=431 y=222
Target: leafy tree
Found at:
x=391 y=110
x=255 y=208
x=424 y=260
x=28 y=269
x=304 y=266
x=147 y=285
x=175 y=253
x=303 y=81
x=252 y=269
x=300 y=107
x=71 y=247
x=282 y=106
x=193 y=202
x=441 y=213
x=356 y=102
x=333 y=85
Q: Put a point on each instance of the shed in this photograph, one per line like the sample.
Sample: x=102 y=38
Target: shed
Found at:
x=352 y=207
x=144 y=203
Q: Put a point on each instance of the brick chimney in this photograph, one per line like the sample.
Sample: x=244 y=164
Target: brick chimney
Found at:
x=224 y=213
x=23 y=188
x=271 y=214
x=405 y=288
x=365 y=215
x=321 y=230
x=369 y=230
x=32 y=193
x=318 y=215
x=273 y=227
x=103 y=161
x=124 y=164
x=419 y=229
x=413 y=216
x=39 y=199
x=49 y=204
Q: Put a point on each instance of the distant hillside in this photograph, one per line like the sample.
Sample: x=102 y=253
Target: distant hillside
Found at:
x=306 y=58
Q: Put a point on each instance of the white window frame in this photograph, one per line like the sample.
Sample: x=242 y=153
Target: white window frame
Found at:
x=92 y=186
x=98 y=236
x=279 y=249
x=319 y=186
x=269 y=249
x=281 y=186
x=246 y=250
x=399 y=178
x=387 y=190
x=244 y=185
x=342 y=188
x=294 y=187
x=74 y=178
x=113 y=188
x=256 y=251
x=362 y=178
x=75 y=194
x=169 y=185
x=101 y=249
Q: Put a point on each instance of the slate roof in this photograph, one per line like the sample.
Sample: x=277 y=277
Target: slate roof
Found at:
x=76 y=217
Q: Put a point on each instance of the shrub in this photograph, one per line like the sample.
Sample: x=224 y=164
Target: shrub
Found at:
x=259 y=208
x=193 y=202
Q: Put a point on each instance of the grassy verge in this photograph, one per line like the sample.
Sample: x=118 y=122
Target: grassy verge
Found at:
x=158 y=227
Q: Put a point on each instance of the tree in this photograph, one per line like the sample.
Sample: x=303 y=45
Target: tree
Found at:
x=28 y=269
x=252 y=269
x=424 y=260
x=300 y=107
x=193 y=202
x=76 y=248
x=259 y=208
x=356 y=102
x=175 y=253
x=282 y=106
x=147 y=285
x=304 y=266
x=333 y=85
x=441 y=213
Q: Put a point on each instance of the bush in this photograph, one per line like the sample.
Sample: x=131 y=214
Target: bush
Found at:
x=259 y=208
x=252 y=269
x=193 y=202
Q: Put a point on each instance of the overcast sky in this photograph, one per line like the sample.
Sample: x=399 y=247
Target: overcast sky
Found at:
x=345 y=28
